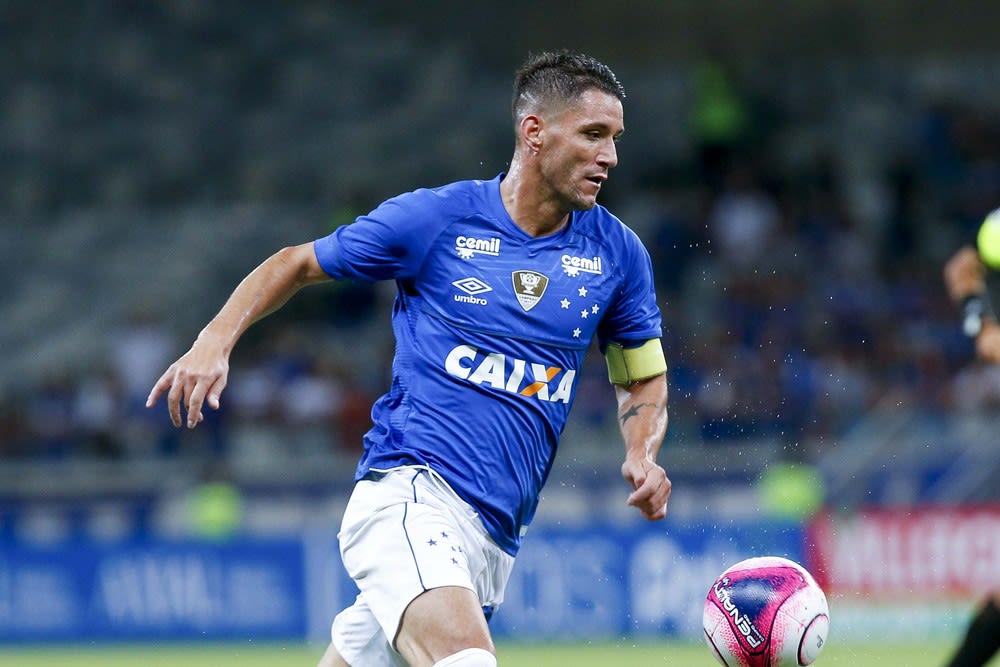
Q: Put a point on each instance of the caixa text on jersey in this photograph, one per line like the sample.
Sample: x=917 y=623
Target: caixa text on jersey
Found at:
x=516 y=376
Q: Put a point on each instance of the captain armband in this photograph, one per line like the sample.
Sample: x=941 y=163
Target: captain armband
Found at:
x=975 y=309
x=631 y=364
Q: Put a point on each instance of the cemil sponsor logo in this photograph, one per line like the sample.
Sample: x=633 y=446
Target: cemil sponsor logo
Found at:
x=516 y=376
x=573 y=265
x=468 y=246
x=472 y=287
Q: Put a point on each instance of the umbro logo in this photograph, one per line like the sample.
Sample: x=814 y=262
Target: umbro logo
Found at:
x=468 y=246
x=472 y=286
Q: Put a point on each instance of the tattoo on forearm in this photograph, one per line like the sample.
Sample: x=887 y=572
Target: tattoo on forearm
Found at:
x=632 y=412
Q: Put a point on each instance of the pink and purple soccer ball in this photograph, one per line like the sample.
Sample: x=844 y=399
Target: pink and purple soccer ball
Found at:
x=766 y=612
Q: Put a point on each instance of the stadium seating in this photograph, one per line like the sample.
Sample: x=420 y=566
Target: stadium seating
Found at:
x=159 y=152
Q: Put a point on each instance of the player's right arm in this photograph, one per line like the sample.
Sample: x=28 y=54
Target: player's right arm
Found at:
x=201 y=374
x=965 y=280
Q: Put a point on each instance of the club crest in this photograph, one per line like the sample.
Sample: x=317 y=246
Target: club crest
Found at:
x=529 y=286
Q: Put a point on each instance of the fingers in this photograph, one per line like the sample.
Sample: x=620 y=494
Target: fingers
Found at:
x=194 y=398
x=168 y=383
x=161 y=386
x=652 y=494
x=653 y=505
x=187 y=392
x=174 y=398
x=205 y=390
x=654 y=515
x=215 y=392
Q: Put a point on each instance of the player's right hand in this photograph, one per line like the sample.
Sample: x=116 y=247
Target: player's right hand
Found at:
x=196 y=378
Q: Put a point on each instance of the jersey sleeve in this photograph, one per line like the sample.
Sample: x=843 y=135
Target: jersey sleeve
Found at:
x=635 y=316
x=389 y=243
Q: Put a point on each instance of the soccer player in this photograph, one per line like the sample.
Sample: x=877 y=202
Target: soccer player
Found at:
x=965 y=279
x=501 y=286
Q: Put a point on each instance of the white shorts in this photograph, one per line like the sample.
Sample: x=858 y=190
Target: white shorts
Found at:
x=404 y=533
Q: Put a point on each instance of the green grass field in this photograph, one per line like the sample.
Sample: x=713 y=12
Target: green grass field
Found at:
x=605 y=654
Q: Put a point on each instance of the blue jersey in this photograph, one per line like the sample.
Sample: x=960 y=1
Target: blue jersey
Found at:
x=491 y=329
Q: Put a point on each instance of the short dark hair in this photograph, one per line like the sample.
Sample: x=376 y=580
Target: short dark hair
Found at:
x=560 y=76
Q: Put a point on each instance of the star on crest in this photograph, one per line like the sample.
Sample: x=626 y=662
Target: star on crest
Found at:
x=584 y=313
x=564 y=303
x=582 y=291
x=595 y=308
x=577 y=332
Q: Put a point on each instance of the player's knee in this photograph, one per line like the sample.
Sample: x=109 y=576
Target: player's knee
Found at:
x=470 y=657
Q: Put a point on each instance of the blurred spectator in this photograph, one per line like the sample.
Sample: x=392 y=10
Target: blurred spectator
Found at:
x=309 y=403
x=49 y=418
x=743 y=218
x=97 y=411
x=139 y=348
x=719 y=118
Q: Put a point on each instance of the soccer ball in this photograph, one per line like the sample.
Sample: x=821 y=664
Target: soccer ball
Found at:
x=766 y=612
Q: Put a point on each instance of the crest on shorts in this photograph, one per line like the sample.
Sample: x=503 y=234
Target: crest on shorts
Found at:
x=529 y=286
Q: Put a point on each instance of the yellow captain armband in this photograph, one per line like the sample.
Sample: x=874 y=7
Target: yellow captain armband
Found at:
x=631 y=364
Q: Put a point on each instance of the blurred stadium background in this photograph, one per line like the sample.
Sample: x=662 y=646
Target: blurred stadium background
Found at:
x=799 y=170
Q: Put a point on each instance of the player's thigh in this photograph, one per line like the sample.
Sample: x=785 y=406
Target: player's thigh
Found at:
x=331 y=658
x=400 y=552
x=441 y=622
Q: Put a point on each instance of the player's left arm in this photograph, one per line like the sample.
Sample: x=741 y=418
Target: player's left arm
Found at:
x=637 y=368
x=642 y=418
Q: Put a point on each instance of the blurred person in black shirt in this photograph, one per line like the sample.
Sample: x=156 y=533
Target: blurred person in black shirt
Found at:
x=965 y=279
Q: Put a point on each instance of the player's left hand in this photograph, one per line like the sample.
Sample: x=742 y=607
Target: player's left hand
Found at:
x=652 y=487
